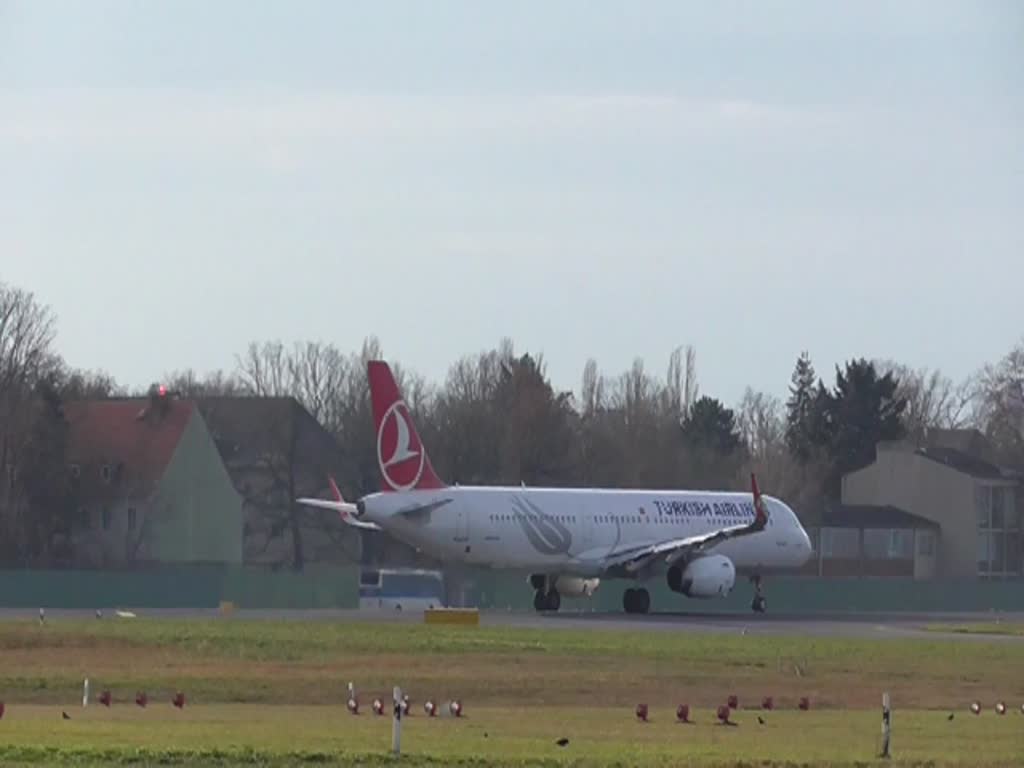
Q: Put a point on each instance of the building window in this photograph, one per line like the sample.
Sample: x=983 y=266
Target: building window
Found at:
x=998 y=518
x=106 y=518
x=888 y=544
x=999 y=544
x=131 y=518
x=840 y=543
x=105 y=473
x=76 y=471
x=83 y=517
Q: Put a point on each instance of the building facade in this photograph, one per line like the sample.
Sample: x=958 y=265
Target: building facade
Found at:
x=950 y=479
x=148 y=485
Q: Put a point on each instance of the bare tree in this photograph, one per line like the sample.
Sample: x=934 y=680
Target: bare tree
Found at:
x=761 y=421
x=933 y=399
x=999 y=404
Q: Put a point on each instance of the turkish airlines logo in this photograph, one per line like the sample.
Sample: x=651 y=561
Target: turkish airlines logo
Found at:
x=545 y=534
x=399 y=452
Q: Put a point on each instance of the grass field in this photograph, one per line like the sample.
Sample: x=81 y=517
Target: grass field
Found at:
x=987 y=628
x=272 y=693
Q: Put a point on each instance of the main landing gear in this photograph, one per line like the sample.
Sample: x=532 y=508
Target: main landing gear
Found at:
x=545 y=596
x=758 y=604
x=636 y=600
x=546 y=601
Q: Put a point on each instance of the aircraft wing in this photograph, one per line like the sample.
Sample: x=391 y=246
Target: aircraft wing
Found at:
x=637 y=558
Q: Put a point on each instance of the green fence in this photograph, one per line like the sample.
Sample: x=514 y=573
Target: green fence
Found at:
x=503 y=591
x=181 y=587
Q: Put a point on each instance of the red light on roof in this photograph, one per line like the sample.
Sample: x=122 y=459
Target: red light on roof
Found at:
x=162 y=390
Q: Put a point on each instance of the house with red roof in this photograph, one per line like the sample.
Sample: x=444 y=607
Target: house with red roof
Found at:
x=149 y=484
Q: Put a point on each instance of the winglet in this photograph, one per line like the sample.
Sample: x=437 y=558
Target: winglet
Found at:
x=334 y=489
x=760 y=508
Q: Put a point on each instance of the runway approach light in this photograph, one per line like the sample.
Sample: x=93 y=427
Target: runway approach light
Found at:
x=723 y=713
x=805 y=703
x=683 y=713
x=733 y=702
x=105 y=698
x=641 y=712
x=1 y=710
x=429 y=708
x=1000 y=708
x=141 y=699
x=378 y=707
x=179 y=700
x=455 y=708
x=353 y=706
x=976 y=707
x=767 y=703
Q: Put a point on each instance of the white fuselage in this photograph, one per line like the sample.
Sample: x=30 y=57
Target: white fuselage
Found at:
x=576 y=531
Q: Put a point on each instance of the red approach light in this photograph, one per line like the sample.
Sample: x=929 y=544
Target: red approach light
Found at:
x=734 y=702
x=353 y=706
x=1 y=710
x=683 y=713
x=405 y=705
x=767 y=703
x=641 y=712
x=378 y=707
x=162 y=390
x=105 y=698
x=976 y=707
x=805 y=703
x=455 y=707
x=179 y=700
x=1000 y=708
x=141 y=699
x=723 y=713
x=429 y=708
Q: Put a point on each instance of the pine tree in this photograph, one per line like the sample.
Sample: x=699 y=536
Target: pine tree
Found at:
x=800 y=410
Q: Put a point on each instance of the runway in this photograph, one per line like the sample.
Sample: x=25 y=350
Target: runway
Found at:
x=851 y=625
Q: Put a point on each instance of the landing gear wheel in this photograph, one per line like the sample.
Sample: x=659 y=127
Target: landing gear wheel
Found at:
x=539 y=601
x=636 y=600
x=554 y=600
x=758 y=604
x=643 y=601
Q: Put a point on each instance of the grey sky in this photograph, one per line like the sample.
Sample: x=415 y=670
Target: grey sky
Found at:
x=589 y=178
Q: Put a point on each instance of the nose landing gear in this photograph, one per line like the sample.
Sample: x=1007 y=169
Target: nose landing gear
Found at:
x=758 y=604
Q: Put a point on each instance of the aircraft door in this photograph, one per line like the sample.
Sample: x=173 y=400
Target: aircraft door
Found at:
x=586 y=524
x=461 y=524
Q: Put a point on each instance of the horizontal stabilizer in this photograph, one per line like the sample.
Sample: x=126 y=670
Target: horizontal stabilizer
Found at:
x=345 y=510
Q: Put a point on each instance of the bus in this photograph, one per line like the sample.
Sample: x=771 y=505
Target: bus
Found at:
x=398 y=589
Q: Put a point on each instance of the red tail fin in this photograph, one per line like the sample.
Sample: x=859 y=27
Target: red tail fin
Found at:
x=760 y=509
x=401 y=455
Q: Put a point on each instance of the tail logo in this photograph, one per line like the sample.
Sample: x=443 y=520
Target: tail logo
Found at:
x=399 y=452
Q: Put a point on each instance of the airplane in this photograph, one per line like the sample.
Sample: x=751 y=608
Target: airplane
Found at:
x=570 y=539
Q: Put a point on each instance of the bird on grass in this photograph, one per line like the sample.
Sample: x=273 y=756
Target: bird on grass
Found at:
x=562 y=741
x=950 y=716
x=760 y=720
x=65 y=715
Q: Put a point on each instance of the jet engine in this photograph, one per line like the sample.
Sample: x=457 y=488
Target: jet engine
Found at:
x=567 y=586
x=576 y=586
x=710 y=576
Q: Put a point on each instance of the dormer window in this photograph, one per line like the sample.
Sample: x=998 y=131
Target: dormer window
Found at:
x=105 y=473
